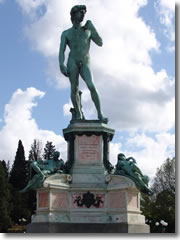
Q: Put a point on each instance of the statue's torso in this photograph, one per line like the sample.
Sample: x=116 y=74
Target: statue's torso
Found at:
x=78 y=41
x=48 y=165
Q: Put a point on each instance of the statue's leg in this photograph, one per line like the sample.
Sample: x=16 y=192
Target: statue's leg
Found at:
x=30 y=183
x=37 y=169
x=75 y=98
x=86 y=75
x=135 y=169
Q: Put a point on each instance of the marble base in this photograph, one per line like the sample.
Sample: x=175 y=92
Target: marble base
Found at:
x=65 y=208
x=88 y=199
x=86 y=228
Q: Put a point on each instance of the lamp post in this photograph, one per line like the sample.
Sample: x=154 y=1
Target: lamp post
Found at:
x=164 y=225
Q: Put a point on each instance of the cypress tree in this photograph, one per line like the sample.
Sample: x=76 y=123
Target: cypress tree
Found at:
x=6 y=167
x=5 y=220
x=19 y=171
x=18 y=180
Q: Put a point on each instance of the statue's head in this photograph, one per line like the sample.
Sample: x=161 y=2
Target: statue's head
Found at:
x=56 y=155
x=121 y=156
x=77 y=13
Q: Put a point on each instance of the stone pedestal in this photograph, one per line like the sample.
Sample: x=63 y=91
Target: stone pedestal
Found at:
x=88 y=152
x=87 y=199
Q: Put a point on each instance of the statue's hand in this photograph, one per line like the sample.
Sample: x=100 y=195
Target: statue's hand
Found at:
x=64 y=70
x=131 y=160
x=89 y=25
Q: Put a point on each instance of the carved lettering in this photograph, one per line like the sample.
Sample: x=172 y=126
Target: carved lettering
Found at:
x=88 y=149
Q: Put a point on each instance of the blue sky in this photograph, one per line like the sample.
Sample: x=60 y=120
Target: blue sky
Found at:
x=134 y=73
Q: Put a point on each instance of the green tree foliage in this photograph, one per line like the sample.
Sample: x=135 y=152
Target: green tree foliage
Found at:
x=165 y=177
x=35 y=151
x=19 y=172
x=161 y=206
x=35 y=154
x=18 y=180
x=49 y=150
x=6 y=167
x=5 y=219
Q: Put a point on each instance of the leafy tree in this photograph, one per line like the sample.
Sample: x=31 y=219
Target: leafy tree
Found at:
x=161 y=206
x=165 y=177
x=5 y=219
x=6 y=167
x=35 y=154
x=49 y=150
x=35 y=151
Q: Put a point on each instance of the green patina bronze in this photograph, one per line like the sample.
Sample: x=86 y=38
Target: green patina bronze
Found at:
x=43 y=170
x=127 y=167
x=78 y=39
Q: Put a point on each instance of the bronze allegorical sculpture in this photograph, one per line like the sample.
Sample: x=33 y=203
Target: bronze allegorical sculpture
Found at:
x=78 y=39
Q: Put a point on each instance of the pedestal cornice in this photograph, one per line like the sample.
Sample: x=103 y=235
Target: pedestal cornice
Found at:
x=88 y=127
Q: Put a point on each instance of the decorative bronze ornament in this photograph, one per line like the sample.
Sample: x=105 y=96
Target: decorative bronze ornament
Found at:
x=88 y=199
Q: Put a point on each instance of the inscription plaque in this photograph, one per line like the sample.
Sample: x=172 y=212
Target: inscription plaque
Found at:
x=89 y=149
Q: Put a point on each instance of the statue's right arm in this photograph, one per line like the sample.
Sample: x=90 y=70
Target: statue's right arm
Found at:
x=62 y=49
x=94 y=34
x=131 y=158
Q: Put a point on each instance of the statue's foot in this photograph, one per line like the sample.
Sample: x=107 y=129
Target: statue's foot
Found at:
x=103 y=119
x=79 y=116
x=23 y=190
x=76 y=115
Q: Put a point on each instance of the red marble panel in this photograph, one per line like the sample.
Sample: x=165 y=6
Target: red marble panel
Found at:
x=117 y=200
x=133 y=200
x=43 y=199
x=59 y=200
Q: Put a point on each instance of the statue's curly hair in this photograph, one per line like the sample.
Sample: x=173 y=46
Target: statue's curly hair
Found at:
x=121 y=156
x=75 y=9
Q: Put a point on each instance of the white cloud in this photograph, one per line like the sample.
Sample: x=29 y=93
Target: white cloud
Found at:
x=19 y=124
x=66 y=108
x=149 y=151
x=153 y=151
x=30 y=7
x=132 y=94
x=122 y=68
x=124 y=33
x=166 y=11
x=115 y=149
x=49 y=17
